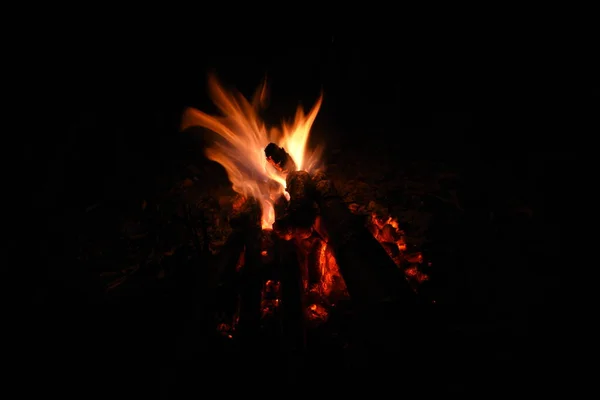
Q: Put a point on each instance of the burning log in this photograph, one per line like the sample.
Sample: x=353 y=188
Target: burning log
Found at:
x=279 y=158
x=217 y=294
x=292 y=296
x=312 y=249
x=301 y=188
x=246 y=213
x=251 y=286
x=231 y=274
x=283 y=228
x=280 y=205
x=282 y=319
x=370 y=274
x=299 y=215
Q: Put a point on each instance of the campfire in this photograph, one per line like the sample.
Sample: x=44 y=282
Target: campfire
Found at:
x=299 y=246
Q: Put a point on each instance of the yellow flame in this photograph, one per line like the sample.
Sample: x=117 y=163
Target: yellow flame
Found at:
x=295 y=137
x=242 y=138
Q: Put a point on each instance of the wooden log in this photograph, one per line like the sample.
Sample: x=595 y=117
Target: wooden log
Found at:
x=284 y=328
x=282 y=225
x=246 y=215
x=294 y=327
x=300 y=186
x=217 y=291
x=279 y=158
x=370 y=274
x=280 y=206
x=251 y=282
x=271 y=309
x=221 y=284
x=300 y=213
x=297 y=218
x=313 y=256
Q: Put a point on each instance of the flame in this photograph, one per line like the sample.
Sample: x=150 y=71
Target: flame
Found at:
x=268 y=214
x=294 y=137
x=242 y=138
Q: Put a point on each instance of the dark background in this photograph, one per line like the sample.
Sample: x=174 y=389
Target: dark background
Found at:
x=115 y=103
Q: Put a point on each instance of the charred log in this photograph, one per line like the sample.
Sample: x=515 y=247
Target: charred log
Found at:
x=284 y=228
x=297 y=217
x=282 y=321
x=300 y=186
x=217 y=301
x=313 y=254
x=246 y=214
x=370 y=274
x=251 y=280
x=201 y=248
x=271 y=310
x=221 y=285
x=280 y=205
x=292 y=296
x=279 y=158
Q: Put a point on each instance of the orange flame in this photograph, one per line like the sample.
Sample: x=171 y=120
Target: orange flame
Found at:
x=242 y=138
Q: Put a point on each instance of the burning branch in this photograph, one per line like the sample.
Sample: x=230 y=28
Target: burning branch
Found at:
x=279 y=158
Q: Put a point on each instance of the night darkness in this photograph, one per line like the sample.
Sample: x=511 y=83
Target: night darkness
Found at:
x=113 y=139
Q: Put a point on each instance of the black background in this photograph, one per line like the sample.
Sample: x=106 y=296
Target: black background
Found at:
x=111 y=105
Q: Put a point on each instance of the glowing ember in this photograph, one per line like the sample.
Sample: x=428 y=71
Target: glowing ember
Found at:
x=414 y=273
x=328 y=288
x=270 y=295
x=317 y=313
x=241 y=261
x=242 y=138
x=387 y=231
x=226 y=330
x=330 y=274
x=257 y=160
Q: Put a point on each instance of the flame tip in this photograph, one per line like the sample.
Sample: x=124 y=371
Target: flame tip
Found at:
x=243 y=136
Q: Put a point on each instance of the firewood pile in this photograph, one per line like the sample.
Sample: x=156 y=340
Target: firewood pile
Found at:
x=188 y=225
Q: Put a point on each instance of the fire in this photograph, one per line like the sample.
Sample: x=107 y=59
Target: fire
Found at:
x=330 y=288
x=317 y=312
x=387 y=231
x=330 y=273
x=242 y=138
